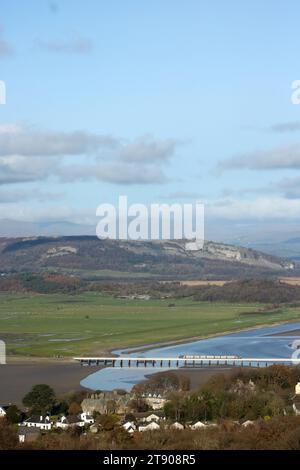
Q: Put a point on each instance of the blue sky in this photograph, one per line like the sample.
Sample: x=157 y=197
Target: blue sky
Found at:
x=161 y=100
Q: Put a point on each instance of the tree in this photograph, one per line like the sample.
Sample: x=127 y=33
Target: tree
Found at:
x=74 y=408
x=40 y=399
x=13 y=414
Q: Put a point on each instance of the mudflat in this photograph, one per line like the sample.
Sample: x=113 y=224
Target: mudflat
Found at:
x=17 y=379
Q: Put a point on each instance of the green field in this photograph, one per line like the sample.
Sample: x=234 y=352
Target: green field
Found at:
x=65 y=325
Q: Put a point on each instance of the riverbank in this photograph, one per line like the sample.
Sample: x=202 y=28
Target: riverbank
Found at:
x=164 y=344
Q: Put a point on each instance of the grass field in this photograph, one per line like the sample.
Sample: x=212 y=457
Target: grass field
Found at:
x=49 y=325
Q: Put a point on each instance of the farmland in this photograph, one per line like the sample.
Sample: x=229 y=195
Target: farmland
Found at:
x=67 y=325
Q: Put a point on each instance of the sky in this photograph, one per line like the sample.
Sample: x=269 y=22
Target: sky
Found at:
x=163 y=101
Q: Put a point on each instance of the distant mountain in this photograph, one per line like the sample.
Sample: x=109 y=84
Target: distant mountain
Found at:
x=90 y=257
x=14 y=228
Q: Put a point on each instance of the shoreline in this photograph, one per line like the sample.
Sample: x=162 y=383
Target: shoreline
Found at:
x=193 y=339
x=64 y=374
x=25 y=360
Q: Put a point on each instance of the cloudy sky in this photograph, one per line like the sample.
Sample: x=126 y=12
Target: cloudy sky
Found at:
x=162 y=101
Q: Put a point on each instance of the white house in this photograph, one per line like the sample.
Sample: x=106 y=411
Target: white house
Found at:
x=39 y=422
x=3 y=409
x=198 y=425
x=152 y=417
x=129 y=426
x=155 y=400
x=64 y=422
x=248 y=423
x=86 y=418
x=177 y=426
x=296 y=410
x=297 y=388
x=149 y=427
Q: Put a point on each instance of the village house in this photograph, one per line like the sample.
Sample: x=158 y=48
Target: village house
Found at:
x=149 y=427
x=198 y=425
x=3 y=410
x=107 y=402
x=248 y=423
x=297 y=388
x=177 y=426
x=154 y=400
x=148 y=418
x=81 y=420
x=143 y=418
x=65 y=422
x=39 y=422
x=130 y=427
x=86 y=418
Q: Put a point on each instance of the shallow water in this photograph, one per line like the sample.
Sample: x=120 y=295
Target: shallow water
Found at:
x=250 y=343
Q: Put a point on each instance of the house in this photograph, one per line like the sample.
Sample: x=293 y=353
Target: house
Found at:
x=64 y=422
x=80 y=420
x=86 y=418
x=248 y=423
x=27 y=434
x=154 y=400
x=107 y=402
x=39 y=422
x=297 y=388
x=149 y=427
x=296 y=410
x=197 y=425
x=151 y=417
x=129 y=426
x=3 y=410
x=177 y=426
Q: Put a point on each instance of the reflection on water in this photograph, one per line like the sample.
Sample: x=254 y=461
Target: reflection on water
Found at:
x=251 y=343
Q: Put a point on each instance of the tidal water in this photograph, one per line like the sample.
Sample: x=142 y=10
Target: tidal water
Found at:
x=250 y=343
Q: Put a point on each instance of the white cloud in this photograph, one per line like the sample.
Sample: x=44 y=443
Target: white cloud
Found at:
x=17 y=168
x=281 y=157
x=116 y=173
x=30 y=155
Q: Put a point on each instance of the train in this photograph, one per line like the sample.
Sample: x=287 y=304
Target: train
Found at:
x=230 y=358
